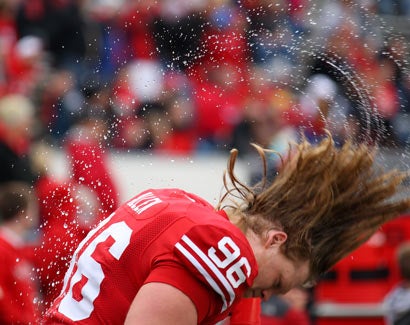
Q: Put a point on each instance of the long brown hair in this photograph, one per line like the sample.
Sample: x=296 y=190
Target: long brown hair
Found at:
x=328 y=199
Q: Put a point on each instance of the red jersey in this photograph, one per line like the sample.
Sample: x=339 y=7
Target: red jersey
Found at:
x=18 y=290
x=167 y=236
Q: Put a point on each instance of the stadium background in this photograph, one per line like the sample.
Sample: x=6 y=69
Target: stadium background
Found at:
x=129 y=75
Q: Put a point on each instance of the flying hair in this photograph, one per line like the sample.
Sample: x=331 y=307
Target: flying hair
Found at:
x=329 y=200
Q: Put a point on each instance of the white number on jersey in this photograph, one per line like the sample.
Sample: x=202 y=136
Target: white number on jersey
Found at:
x=223 y=274
x=78 y=302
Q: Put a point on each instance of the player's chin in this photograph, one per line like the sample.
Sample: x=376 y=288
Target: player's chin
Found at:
x=255 y=293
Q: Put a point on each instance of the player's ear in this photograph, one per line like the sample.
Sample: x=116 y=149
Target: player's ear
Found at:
x=276 y=237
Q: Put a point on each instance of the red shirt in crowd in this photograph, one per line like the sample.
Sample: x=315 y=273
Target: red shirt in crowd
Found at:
x=17 y=287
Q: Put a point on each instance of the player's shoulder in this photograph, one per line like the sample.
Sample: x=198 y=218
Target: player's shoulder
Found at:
x=188 y=214
x=220 y=257
x=189 y=207
x=156 y=200
x=176 y=195
x=215 y=230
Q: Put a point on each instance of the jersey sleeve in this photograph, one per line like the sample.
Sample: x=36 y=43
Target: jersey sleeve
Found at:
x=212 y=266
x=219 y=260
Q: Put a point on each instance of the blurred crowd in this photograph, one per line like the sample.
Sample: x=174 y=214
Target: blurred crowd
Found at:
x=192 y=76
x=172 y=76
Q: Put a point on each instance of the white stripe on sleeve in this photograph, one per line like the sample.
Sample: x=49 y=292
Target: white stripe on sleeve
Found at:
x=197 y=257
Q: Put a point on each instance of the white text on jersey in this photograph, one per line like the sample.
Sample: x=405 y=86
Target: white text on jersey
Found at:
x=143 y=202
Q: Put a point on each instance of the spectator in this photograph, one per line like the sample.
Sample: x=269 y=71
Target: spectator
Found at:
x=16 y=125
x=397 y=302
x=273 y=32
x=107 y=31
x=180 y=111
x=60 y=104
x=98 y=105
x=64 y=224
x=88 y=161
x=156 y=124
x=385 y=96
x=26 y=66
x=402 y=119
x=18 y=291
x=322 y=107
x=59 y=24
x=138 y=22
x=68 y=210
x=394 y=7
x=397 y=51
x=177 y=30
x=8 y=39
x=219 y=100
